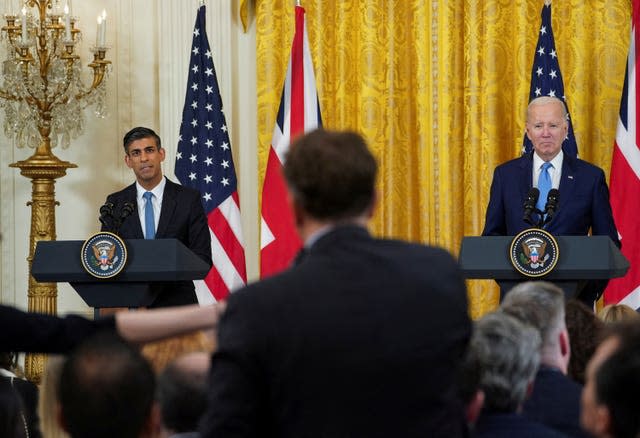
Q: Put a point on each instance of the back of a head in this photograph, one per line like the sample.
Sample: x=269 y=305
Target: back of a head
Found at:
x=508 y=351
x=612 y=313
x=585 y=331
x=331 y=175
x=106 y=389
x=617 y=386
x=182 y=392
x=539 y=304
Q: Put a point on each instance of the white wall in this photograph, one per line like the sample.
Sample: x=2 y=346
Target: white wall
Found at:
x=150 y=42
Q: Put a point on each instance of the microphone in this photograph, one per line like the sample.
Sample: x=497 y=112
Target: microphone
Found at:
x=530 y=205
x=106 y=214
x=127 y=209
x=552 y=205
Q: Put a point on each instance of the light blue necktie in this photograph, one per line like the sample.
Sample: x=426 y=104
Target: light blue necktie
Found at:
x=149 y=219
x=544 y=185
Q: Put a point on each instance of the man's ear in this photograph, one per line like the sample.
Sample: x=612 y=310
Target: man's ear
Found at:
x=127 y=160
x=602 y=423
x=474 y=407
x=374 y=204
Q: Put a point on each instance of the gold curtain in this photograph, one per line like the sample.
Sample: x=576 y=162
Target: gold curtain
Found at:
x=440 y=88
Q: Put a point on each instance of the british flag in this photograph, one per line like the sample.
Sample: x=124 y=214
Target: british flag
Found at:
x=625 y=178
x=299 y=112
x=204 y=162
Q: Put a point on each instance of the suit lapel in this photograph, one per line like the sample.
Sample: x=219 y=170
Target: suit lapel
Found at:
x=131 y=194
x=526 y=171
x=567 y=180
x=169 y=203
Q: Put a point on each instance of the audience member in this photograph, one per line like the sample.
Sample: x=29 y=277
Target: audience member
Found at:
x=35 y=332
x=48 y=405
x=555 y=399
x=162 y=353
x=611 y=396
x=584 y=334
x=509 y=354
x=12 y=420
x=362 y=337
x=182 y=395
x=469 y=389
x=617 y=312
x=12 y=376
x=106 y=390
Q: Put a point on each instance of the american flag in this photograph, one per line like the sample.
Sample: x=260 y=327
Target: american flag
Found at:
x=546 y=79
x=625 y=178
x=204 y=162
x=299 y=112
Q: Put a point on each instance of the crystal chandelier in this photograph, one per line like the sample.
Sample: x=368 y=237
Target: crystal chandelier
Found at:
x=42 y=92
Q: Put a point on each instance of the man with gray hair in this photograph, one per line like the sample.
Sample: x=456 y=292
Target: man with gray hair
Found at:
x=555 y=399
x=508 y=352
x=583 y=203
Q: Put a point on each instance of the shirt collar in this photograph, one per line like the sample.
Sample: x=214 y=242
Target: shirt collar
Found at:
x=556 y=162
x=157 y=190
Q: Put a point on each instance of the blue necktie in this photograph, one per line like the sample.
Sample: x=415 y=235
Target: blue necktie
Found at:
x=149 y=220
x=544 y=185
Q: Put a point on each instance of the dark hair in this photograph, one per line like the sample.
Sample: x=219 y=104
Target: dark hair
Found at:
x=139 y=133
x=584 y=332
x=182 y=395
x=617 y=383
x=331 y=175
x=106 y=389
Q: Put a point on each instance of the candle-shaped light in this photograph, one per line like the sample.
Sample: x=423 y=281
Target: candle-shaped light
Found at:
x=67 y=23
x=98 y=31
x=103 y=29
x=24 y=25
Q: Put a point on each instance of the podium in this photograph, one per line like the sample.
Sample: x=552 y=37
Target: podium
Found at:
x=147 y=261
x=580 y=258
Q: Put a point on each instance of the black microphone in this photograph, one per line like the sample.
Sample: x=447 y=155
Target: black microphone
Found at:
x=127 y=209
x=530 y=205
x=552 y=205
x=106 y=214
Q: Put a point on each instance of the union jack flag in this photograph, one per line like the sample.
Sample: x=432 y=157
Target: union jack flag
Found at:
x=204 y=162
x=299 y=112
x=625 y=178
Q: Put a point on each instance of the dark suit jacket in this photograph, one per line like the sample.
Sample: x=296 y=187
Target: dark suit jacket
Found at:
x=360 y=339
x=511 y=425
x=28 y=393
x=182 y=217
x=583 y=201
x=555 y=402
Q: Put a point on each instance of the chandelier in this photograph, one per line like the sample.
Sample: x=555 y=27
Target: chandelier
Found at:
x=42 y=91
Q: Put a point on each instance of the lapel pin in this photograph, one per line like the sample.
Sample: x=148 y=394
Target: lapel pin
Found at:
x=570 y=176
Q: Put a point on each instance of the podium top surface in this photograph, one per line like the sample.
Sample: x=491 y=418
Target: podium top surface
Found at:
x=579 y=258
x=147 y=260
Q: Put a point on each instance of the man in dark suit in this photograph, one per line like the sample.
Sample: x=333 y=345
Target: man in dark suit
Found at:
x=177 y=211
x=507 y=351
x=583 y=194
x=360 y=338
x=555 y=399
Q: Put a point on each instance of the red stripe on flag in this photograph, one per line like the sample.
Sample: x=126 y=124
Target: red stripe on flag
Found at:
x=297 y=77
x=277 y=214
x=229 y=241
x=216 y=285
x=625 y=193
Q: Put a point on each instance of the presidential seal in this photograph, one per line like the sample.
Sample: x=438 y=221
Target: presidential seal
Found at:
x=534 y=252
x=104 y=255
